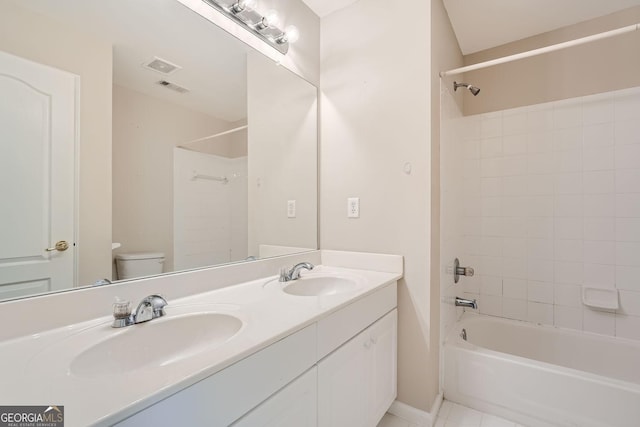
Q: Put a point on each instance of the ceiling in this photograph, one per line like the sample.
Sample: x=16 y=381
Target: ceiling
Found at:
x=213 y=63
x=324 y=7
x=481 y=25
x=142 y=29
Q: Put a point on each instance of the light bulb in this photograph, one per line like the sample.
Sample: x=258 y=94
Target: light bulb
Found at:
x=271 y=19
x=241 y=5
x=292 y=33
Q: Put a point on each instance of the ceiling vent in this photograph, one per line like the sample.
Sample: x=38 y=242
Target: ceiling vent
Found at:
x=172 y=86
x=161 y=66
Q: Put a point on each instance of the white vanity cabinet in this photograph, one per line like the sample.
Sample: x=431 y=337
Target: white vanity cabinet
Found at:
x=337 y=371
x=357 y=382
x=221 y=399
x=293 y=406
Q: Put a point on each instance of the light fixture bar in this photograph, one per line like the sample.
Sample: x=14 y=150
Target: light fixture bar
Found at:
x=241 y=12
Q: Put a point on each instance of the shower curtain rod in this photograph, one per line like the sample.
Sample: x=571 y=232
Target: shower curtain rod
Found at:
x=542 y=50
x=217 y=135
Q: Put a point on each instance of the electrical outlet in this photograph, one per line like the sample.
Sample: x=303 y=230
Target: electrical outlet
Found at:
x=353 y=207
x=291 y=208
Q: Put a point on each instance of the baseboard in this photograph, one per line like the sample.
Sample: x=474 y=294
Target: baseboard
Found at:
x=414 y=415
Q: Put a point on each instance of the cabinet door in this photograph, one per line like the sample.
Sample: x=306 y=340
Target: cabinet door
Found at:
x=343 y=385
x=383 y=365
x=293 y=406
x=357 y=382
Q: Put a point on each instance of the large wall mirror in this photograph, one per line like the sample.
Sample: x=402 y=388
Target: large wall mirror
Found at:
x=139 y=132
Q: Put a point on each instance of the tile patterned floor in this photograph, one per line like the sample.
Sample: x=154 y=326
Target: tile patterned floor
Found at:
x=453 y=415
x=392 y=421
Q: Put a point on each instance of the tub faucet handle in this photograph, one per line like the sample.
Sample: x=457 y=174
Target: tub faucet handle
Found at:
x=461 y=271
x=465 y=271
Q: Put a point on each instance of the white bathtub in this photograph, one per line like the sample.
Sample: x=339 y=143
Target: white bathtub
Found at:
x=541 y=375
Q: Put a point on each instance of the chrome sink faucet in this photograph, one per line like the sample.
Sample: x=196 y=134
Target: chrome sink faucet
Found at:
x=294 y=273
x=150 y=307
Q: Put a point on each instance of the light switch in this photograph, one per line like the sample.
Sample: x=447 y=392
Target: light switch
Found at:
x=353 y=207
x=291 y=209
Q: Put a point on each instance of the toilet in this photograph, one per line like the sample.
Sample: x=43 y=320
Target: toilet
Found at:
x=139 y=264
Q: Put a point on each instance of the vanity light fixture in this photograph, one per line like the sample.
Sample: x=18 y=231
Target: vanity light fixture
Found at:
x=266 y=27
x=241 y=5
x=290 y=34
x=270 y=20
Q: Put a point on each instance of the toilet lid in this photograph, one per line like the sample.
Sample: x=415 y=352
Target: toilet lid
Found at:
x=139 y=255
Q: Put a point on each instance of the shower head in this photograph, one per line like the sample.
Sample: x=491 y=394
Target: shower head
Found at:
x=474 y=90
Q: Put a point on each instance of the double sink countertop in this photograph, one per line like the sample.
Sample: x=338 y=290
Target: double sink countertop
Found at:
x=103 y=375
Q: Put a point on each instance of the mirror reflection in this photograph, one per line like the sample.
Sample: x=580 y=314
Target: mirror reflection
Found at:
x=131 y=149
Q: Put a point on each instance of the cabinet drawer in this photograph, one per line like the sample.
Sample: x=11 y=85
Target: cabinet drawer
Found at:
x=225 y=396
x=341 y=326
x=294 y=406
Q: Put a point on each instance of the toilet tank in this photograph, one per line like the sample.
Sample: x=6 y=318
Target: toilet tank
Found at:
x=139 y=264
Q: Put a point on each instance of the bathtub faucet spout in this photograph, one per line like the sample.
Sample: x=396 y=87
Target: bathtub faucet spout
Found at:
x=470 y=303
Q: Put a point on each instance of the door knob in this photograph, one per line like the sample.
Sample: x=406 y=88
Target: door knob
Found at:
x=60 y=246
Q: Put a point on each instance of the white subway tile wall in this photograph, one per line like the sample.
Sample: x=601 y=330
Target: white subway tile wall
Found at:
x=210 y=225
x=551 y=202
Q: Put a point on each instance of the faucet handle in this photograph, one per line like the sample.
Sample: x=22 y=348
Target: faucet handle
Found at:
x=121 y=309
x=122 y=314
x=284 y=275
x=461 y=271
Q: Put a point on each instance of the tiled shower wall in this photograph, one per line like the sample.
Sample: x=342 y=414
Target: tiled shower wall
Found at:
x=210 y=218
x=547 y=199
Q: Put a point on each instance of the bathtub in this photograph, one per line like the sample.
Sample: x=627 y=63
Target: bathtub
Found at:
x=542 y=376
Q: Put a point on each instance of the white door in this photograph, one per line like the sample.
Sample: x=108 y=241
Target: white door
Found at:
x=37 y=174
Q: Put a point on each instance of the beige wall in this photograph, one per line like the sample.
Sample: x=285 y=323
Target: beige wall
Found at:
x=145 y=131
x=596 y=67
x=283 y=133
x=42 y=40
x=230 y=145
x=238 y=141
x=376 y=110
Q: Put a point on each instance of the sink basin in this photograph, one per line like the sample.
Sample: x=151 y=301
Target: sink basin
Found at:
x=320 y=286
x=155 y=343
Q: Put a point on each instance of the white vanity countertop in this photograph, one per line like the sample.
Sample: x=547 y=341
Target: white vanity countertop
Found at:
x=35 y=369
